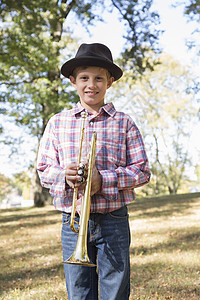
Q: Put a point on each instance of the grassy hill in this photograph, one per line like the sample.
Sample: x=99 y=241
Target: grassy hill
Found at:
x=165 y=255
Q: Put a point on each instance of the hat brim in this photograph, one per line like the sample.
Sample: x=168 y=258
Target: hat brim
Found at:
x=68 y=67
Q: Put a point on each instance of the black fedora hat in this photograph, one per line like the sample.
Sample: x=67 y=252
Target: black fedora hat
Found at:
x=95 y=54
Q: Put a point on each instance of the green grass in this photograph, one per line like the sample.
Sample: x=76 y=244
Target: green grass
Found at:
x=165 y=255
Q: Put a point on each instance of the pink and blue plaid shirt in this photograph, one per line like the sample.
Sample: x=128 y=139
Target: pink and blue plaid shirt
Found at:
x=120 y=157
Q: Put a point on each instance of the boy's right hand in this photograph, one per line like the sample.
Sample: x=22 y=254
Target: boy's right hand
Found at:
x=73 y=179
x=71 y=175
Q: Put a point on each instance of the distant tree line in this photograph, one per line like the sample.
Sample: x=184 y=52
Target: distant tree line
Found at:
x=36 y=38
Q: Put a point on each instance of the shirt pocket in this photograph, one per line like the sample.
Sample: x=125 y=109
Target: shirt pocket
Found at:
x=112 y=151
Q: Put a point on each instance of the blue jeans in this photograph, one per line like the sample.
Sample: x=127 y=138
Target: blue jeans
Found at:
x=108 y=247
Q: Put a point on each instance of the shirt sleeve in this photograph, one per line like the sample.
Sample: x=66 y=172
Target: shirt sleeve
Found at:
x=136 y=172
x=52 y=175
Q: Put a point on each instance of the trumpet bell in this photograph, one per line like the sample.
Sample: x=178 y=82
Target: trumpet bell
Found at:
x=79 y=258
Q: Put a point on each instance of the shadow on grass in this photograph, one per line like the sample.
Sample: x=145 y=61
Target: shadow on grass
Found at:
x=162 y=206
x=13 y=227
x=30 y=268
x=28 y=274
x=38 y=252
x=158 y=280
x=19 y=218
x=14 y=216
x=18 y=279
x=179 y=242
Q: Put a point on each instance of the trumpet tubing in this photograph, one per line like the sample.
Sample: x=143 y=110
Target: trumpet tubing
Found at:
x=75 y=193
x=80 y=255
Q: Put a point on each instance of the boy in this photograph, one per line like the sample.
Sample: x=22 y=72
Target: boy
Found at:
x=120 y=165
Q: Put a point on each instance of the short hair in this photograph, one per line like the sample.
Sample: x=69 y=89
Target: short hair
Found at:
x=75 y=71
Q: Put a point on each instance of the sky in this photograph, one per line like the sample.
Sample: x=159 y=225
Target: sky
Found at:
x=176 y=31
x=172 y=22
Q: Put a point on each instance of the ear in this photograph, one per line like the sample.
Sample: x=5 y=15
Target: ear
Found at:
x=110 y=82
x=73 y=80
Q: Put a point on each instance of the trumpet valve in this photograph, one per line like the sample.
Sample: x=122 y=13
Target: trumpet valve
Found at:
x=82 y=166
x=81 y=180
x=81 y=172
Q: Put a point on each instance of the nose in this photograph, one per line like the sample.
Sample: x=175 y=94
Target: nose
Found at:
x=91 y=84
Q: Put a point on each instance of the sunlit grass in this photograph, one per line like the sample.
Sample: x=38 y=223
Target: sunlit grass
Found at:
x=165 y=255
x=31 y=259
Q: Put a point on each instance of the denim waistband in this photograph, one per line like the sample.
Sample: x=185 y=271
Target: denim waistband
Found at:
x=98 y=213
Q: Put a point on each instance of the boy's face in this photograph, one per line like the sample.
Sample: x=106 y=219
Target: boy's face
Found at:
x=91 y=85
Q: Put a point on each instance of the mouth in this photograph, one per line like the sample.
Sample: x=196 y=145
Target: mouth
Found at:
x=90 y=93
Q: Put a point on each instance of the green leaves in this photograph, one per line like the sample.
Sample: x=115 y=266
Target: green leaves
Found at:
x=34 y=38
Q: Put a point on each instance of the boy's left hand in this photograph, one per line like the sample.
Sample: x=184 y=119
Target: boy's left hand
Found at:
x=96 y=181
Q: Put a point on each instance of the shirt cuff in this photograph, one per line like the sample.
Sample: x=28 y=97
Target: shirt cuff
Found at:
x=109 y=187
x=58 y=187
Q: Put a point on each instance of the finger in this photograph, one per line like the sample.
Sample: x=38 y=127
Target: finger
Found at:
x=71 y=173
x=71 y=170
x=72 y=165
x=71 y=178
x=72 y=181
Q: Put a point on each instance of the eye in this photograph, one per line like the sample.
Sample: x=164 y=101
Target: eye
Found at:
x=84 y=78
x=99 y=78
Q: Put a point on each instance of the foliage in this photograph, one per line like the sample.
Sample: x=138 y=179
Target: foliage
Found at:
x=36 y=38
x=33 y=40
x=197 y=171
x=141 y=35
x=192 y=8
x=30 y=63
x=191 y=12
x=23 y=183
x=162 y=104
x=5 y=186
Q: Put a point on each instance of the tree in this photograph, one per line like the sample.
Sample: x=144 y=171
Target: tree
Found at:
x=5 y=186
x=22 y=182
x=141 y=35
x=192 y=12
x=163 y=106
x=35 y=40
x=192 y=9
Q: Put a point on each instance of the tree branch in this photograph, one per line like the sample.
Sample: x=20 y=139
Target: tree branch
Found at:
x=16 y=83
x=68 y=8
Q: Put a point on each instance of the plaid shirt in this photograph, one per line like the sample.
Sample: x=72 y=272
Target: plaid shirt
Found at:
x=120 y=157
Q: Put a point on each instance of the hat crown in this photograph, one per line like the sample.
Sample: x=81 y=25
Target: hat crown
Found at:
x=94 y=50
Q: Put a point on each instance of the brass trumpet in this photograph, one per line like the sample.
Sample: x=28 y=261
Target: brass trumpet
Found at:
x=80 y=255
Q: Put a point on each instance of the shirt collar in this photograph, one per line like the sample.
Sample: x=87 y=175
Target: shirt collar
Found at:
x=108 y=108
x=78 y=108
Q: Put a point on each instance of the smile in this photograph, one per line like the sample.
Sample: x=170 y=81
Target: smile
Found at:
x=91 y=93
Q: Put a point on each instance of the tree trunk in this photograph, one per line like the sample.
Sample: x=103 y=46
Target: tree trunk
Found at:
x=41 y=194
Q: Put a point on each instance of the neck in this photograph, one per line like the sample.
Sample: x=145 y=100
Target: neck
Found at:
x=93 y=109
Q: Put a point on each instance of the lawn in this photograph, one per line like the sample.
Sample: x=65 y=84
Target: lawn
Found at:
x=165 y=250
